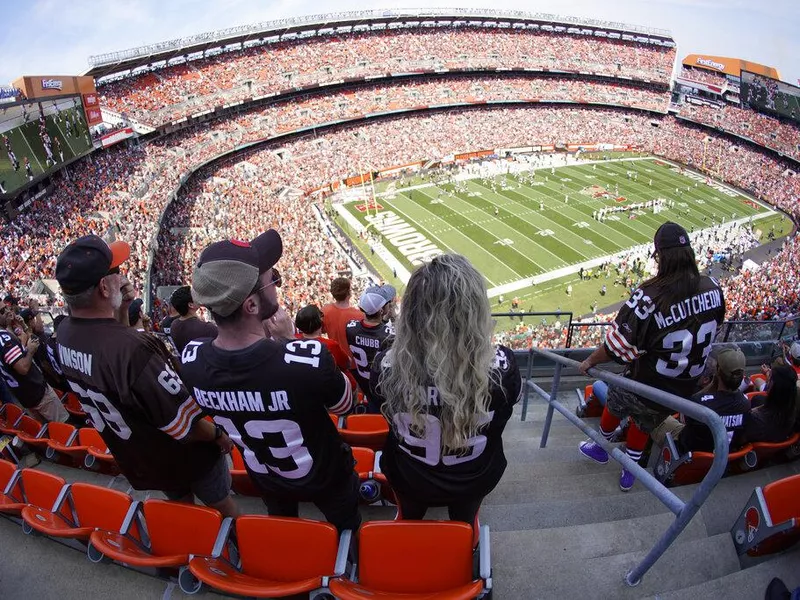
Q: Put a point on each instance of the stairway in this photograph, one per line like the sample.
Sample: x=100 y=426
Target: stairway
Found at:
x=560 y=529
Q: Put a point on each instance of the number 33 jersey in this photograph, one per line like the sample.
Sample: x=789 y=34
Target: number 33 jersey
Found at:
x=417 y=465
x=273 y=400
x=136 y=400
x=666 y=341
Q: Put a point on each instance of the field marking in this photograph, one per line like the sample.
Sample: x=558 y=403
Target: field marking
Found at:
x=36 y=158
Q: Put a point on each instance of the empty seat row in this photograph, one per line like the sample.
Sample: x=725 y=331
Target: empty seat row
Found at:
x=255 y=555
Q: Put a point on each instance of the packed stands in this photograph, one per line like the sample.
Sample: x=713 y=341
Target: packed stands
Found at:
x=703 y=76
x=766 y=131
x=173 y=92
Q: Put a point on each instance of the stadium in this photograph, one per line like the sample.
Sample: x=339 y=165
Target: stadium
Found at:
x=548 y=151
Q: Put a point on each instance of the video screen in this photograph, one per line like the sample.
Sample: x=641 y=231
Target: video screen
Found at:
x=770 y=96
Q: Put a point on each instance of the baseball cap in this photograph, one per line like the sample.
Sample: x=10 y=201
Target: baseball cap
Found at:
x=385 y=290
x=26 y=314
x=371 y=302
x=730 y=360
x=671 y=235
x=794 y=350
x=227 y=272
x=134 y=310
x=84 y=262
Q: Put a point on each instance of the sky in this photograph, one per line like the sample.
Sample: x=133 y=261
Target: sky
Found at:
x=56 y=37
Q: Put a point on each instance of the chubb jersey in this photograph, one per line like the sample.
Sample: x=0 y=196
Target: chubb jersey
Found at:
x=273 y=401
x=365 y=341
x=666 y=344
x=136 y=400
x=418 y=466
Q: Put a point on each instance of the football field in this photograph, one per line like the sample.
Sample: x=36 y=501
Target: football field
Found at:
x=519 y=232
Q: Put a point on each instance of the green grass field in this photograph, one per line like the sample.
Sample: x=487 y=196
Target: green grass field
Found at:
x=522 y=243
x=25 y=141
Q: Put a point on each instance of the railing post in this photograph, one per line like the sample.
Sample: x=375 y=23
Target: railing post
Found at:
x=527 y=378
x=553 y=395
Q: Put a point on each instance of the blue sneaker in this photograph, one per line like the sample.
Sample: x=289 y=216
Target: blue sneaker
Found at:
x=591 y=450
x=626 y=480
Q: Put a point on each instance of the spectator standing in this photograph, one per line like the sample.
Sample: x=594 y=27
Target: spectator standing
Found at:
x=126 y=383
x=447 y=393
x=663 y=334
x=339 y=313
x=272 y=396
x=188 y=326
x=309 y=322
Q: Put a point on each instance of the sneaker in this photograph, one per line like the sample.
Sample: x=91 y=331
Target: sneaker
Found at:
x=626 y=480
x=591 y=450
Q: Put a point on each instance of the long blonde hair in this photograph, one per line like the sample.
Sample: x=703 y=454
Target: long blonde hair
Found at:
x=443 y=338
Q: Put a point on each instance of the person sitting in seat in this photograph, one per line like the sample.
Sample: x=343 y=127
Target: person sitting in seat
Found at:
x=772 y=416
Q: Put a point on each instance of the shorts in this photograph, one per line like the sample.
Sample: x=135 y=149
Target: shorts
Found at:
x=212 y=488
x=50 y=407
x=669 y=425
x=621 y=403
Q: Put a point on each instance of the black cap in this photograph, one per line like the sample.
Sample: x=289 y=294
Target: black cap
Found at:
x=11 y=300
x=308 y=319
x=26 y=314
x=84 y=262
x=671 y=235
x=134 y=310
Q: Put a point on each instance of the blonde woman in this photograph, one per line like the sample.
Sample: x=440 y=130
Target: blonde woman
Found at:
x=447 y=393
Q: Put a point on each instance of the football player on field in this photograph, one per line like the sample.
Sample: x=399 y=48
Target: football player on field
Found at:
x=447 y=393
x=272 y=396
x=663 y=334
x=127 y=384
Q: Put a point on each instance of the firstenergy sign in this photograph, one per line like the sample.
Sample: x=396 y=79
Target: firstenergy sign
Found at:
x=711 y=64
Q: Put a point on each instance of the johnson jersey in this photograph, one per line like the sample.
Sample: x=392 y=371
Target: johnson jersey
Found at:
x=28 y=389
x=418 y=466
x=273 y=400
x=666 y=344
x=365 y=341
x=731 y=406
x=137 y=402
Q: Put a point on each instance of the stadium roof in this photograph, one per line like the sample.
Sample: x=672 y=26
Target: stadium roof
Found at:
x=104 y=65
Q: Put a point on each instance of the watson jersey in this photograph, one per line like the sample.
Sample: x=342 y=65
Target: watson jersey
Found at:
x=731 y=406
x=273 y=400
x=28 y=389
x=137 y=402
x=365 y=341
x=418 y=466
x=666 y=344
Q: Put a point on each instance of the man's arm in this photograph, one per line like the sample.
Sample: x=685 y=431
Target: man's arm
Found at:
x=599 y=356
x=23 y=365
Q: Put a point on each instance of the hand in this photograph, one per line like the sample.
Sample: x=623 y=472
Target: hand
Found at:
x=766 y=370
x=585 y=366
x=33 y=344
x=225 y=444
x=279 y=326
x=128 y=293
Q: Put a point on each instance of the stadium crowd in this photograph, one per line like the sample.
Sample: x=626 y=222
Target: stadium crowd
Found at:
x=703 y=76
x=765 y=131
x=173 y=92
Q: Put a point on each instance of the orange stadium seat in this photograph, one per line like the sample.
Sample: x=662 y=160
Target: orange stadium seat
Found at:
x=299 y=558
x=240 y=478
x=766 y=450
x=60 y=438
x=770 y=521
x=693 y=467
x=430 y=559
x=80 y=509
x=10 y=415
x=32 y=433
x=373 y=485
x=29 y=488
x=368 y=431
x=73 y=405
x=96 y=450
x=168 y=533
x=11 y=499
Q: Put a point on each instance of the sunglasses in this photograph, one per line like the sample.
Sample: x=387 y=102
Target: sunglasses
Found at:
x=277 y=281
x=113 y=271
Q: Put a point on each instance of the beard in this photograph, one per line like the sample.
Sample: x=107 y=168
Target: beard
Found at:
x=268 y=307
x=116 y=299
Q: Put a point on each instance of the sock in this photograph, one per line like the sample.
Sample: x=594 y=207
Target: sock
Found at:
x=608 y=423
x=635 y=442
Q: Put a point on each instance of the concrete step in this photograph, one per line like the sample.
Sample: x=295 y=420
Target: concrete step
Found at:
x=512 y=548
x=748 y=583
x=545 y=573
x=38 y=567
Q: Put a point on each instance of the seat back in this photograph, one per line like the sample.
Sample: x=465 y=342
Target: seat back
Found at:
x=765 y=450
x=60 y=432
x=782 y=499
x=427 y=556
x=696 y=470
x=365 y=430
x=176 y=528
x=29 y=425
x=283 y=549
x=238 y=459
x=89 y=436
x=11 y=414
x=99 y=507
x=41 y=489
x=365 y=459
x=73 y=404
x=7 y=470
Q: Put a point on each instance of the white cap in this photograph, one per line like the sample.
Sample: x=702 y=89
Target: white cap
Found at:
x=372 y=302
x=794 y=350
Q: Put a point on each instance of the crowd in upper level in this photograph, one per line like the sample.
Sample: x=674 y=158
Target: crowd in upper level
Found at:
x=703 y=76
x=167 y=94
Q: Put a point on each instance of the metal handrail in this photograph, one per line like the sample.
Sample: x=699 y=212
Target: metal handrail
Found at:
x=684 y=511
